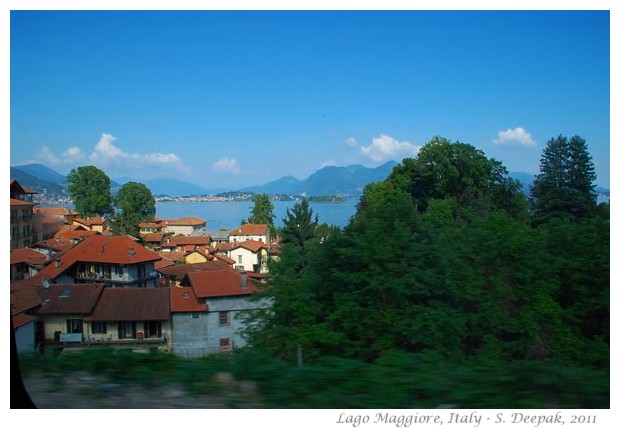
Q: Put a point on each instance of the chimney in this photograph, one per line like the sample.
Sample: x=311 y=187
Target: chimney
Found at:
x=57 y=263
x=244 y=280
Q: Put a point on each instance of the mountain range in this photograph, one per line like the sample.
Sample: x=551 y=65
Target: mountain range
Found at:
x=331 y=180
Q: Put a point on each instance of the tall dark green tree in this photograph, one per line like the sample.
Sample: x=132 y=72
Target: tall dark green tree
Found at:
x=262 y=211
x=564 y=188
x=299 y=227
x=89 y=188
x=296 y=317
x=135 y=203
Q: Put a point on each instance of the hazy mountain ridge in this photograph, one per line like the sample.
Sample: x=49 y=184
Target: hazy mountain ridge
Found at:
x=37 y=183
x=527 y=179
x=330 y=180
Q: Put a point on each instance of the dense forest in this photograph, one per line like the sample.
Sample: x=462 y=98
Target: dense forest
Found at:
x=448 y=260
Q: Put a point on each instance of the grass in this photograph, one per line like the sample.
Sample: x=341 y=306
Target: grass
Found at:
x=397 y=380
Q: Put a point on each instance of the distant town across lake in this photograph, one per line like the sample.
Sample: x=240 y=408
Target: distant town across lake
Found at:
x=230 y=214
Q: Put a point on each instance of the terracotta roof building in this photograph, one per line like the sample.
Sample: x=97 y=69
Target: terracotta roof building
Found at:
x=184 y=226
x=250 y=231
x=113 y=260
x=25 y=263
x=227 y=294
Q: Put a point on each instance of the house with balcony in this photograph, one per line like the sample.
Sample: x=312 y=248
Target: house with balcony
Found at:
x=22 y=226
x=131 y=316
x=116 y=261
x=60 y=318
x=25 y=263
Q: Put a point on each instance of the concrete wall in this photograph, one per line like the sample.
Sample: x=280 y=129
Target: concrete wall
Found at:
x=196 y=337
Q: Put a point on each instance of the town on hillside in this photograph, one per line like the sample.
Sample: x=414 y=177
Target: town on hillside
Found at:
x=177 y=287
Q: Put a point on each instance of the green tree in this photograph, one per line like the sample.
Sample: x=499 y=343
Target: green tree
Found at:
x=444 y=169
x=299 y=226
x=297 y=316
x=262 y=211
x=135 y=203
x=565 y=186
x=89 y=188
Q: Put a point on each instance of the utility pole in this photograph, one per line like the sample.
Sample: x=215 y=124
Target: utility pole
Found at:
x=300 y=362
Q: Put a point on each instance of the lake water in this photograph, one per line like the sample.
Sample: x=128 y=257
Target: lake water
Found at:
x=230 y=214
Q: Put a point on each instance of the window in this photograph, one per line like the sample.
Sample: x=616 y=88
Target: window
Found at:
x=152 y=329
x=225 y=344
x=74 y=326
x=195 y=315
x=240 y=258
x=99 y=327
x=224 y=318
x=126 y=329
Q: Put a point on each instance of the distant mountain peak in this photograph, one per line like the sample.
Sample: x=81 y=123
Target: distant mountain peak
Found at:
x=328 y=180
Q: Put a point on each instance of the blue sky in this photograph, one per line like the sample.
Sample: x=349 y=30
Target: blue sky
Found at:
x=230 y=99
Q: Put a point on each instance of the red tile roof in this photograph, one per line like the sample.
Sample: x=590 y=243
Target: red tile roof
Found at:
x=251 y=245
x=132 y=304
x=153 y=237
x=93 y=220
x=164 y=262
x=220 y=283
x=78 y=234
x=250 y=229
x=15 y=202
x=183 y=299
x=223 y=247
x=54 y=244
x=102 y=249
x=69 y=298
x=224 y=258
x=179 y=271
x=185 y=221
x=173 y=256
x=28 y=256
x=201 y=251
x=25 y=294
x=22 y=319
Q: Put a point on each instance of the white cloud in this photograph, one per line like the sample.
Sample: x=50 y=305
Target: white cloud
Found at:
x=328 y=163
x=518 y=137
x=106 y=153
x=73 y=154
x=46 y=156
x=351 y=142
x=227 y=165
x=385 y=147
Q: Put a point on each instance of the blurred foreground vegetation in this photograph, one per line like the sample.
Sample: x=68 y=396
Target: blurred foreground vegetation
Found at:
x=396 y=380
